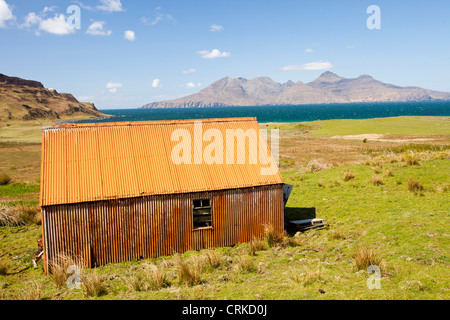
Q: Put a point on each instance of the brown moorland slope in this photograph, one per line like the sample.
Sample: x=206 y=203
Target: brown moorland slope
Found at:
x=22 y=99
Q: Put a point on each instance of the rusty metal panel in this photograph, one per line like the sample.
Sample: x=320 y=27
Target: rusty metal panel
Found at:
x=112 y=231
x=93 y=162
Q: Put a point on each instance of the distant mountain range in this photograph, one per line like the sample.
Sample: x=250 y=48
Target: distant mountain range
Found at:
x=22 y=99
x=328 y=88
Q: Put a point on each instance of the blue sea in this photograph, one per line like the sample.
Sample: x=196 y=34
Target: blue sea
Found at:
x=302 y=113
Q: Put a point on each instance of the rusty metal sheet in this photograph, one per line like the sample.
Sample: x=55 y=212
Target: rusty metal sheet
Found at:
x=117 y=230
x=101 y=161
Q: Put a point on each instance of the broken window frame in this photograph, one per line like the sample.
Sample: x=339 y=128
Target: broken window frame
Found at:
x=201 y=210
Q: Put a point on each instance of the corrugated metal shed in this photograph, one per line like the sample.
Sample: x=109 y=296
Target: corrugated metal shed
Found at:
x=111 y=192
x=93 y=162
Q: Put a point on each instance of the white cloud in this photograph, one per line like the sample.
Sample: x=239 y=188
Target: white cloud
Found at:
x=5 y=13
x=156 y=83
x=110 y=6
x=130 y=35
x=112 y=86
x=56 y=25
x=30 y=19
x=84 y=6
x=160 y=16
x=309 y=66
x=191 y=70
x=191 y=85
x=353 y=46
x=213 y=54
x=309 y=50
x=215 y=28
x=97 y=29
x=49 y=9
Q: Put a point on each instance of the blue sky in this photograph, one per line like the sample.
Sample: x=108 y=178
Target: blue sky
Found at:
x=175 y=48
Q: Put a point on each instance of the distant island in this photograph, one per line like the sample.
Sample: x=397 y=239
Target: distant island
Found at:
x=22 y=99
x=328 y=88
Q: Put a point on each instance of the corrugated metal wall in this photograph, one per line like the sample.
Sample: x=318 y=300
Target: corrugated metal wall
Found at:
x=122 y=230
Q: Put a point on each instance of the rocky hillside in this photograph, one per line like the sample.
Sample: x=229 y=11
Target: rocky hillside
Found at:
x=28 y=100
x=328 y=88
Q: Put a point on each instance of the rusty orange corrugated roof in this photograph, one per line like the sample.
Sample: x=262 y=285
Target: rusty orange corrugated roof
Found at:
x=100 y=161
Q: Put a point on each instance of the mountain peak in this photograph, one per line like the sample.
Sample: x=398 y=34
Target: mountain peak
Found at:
x=365 y=76
x=328 y=76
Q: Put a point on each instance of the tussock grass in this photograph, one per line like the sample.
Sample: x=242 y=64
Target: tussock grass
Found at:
x=19 y=215
x=93 y=285
x=377 y=180
x=33 y=291
x=443 y=188
x=377 y=169
x=388 y=173
x=315 y=165
x=4 y=268
x=365 y=257
x=348 y=175
x=4 y=179
x=245 y=263
x=412 y=161
x=415 y=186
x=320 y=184
x=186 y=274
x=256 y=245
x=156 y=277
x=271 y=236
x=307 y=275
x=59 y=269
x=137 y=283
x=212 y=258
x=336 y=234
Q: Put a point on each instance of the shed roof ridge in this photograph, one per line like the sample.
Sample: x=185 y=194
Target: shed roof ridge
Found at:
x=146 y=123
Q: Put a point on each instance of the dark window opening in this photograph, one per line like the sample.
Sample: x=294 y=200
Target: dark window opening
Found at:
x=201 y=213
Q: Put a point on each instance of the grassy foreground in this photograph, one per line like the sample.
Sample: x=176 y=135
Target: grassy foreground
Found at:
x=391 y=211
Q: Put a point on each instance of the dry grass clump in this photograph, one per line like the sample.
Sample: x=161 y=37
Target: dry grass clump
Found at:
x=212 y=258
x=377 y=180
x=4 y=268
x=271 y=236
x=93 y=285
x=186 y=274
x=245 y=263
x=4 y=179
x=320 y=183
x=32 y=292
x=315 y=166
x=388 y=173
x=411 y=161
x=156 y=277
x=415 y=186
x=348 y=175
x=335 y=183
x=336 y=234
x=137 y=283
x=365 y=257
x=153 y=278
x=256 y=245
x=59 y=269
x=19 y=215
x=443 y=188
x=307 y=276
x=377 y=169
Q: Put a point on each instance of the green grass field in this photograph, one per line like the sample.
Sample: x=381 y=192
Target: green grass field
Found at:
x=414 y=126
x=372 y=206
